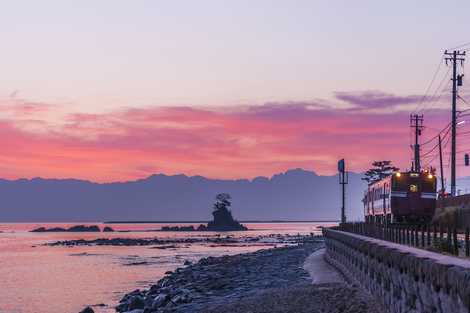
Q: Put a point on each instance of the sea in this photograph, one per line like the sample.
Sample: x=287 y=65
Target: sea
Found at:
x=36 y=278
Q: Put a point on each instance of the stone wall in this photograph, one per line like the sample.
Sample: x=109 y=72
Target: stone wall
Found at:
x=404 y=279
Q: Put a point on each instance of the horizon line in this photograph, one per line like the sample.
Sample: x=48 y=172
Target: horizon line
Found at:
x=171 y=175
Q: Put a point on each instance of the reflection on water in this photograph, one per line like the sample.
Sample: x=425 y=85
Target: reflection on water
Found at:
x=36 y=278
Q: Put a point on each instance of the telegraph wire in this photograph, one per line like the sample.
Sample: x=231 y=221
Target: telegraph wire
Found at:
x=460 y=46
x=437 y=145
x=437 y=154
x=430 y=85
x=433 y=99
x=435 y=137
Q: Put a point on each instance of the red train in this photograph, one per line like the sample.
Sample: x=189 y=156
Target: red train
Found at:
x=404 y=197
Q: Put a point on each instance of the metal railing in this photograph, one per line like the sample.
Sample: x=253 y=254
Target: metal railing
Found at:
x=437 y=238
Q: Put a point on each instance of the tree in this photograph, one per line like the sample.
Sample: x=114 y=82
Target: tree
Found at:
x=380 y=170
x=222 y=201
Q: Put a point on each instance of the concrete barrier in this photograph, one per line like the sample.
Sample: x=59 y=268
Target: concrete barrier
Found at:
x=404 y=279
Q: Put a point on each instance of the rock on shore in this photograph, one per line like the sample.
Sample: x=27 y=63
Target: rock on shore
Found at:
x=76 y=228
x=216 y=280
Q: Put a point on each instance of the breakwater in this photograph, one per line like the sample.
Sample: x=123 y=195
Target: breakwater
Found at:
x=403 y=278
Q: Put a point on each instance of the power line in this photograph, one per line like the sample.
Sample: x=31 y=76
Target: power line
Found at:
x=460 y=46
x=437 y=145
x=430 y=84
x=458 y=96
x=444 y=146
x=433 y=100
x=435 y=137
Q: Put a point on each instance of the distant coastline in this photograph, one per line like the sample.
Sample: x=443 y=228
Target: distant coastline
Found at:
x=201 y=221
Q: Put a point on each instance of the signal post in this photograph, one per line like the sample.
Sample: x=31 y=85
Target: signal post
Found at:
x=343 y=180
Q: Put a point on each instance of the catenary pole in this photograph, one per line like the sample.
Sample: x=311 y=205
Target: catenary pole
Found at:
x=454 y=57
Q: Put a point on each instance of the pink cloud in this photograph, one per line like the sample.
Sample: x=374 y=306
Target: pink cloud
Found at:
x=222 y=142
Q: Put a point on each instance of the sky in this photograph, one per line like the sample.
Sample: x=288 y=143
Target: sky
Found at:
x=119 y=90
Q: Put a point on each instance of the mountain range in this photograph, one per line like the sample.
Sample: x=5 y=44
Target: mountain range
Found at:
x=296 y=194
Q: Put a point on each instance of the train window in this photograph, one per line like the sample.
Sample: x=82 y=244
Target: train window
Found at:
x=413 y=188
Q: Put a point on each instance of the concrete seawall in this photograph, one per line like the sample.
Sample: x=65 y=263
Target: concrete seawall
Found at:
x=403 y=278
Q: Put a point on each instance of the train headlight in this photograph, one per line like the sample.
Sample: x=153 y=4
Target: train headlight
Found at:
x=430 y=176
x=398 y=174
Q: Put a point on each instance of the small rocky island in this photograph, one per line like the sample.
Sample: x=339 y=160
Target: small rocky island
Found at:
x=76 y=228
x=223 y=219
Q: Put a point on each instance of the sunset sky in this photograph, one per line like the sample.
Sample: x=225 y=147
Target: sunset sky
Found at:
x=119 y=90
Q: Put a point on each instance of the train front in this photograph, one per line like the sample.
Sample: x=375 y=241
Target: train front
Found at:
x=413 y=196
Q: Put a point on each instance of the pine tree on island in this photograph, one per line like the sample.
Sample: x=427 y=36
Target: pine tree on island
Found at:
x=223 y=219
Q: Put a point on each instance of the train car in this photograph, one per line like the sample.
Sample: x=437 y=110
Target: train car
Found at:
x=404 y=197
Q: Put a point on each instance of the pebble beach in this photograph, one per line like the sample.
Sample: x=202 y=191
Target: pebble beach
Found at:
x=270 y=280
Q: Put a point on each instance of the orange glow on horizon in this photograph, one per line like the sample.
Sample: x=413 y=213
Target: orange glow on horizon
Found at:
x=242 y=142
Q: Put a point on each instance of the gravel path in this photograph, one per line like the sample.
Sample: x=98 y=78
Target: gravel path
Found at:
x=303 y=298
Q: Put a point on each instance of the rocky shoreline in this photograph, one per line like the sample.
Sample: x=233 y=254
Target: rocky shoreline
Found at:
x=215 y=280
x=217 y=239
x=266 y=281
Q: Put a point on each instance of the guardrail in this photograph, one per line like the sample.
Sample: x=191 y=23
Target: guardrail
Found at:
x=438 y=238
x=403 y=278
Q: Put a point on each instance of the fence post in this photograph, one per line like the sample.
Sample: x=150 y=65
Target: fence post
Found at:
x=422 y=235
x=456 y=242
x=428 y=232
x=467 y=238
x=400 y=234
x=407 y=235
x=441 y=237
x=449 y=240
x=411 y=236
x=417 y=236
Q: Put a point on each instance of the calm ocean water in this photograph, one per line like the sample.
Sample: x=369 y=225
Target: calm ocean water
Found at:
x=42 y=279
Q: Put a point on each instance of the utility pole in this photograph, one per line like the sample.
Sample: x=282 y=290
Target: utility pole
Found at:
x=343 y=180
x=454 y=57
x=416 y=122
x=442 y=167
